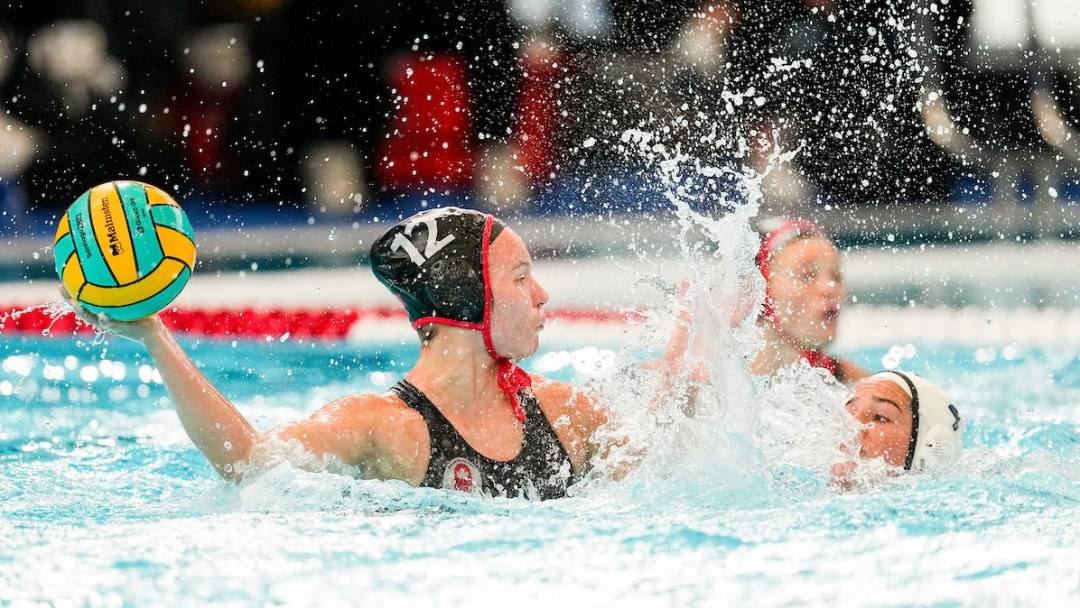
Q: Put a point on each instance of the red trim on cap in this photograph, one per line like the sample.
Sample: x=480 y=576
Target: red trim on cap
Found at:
x=485 y=269
x=417 y=324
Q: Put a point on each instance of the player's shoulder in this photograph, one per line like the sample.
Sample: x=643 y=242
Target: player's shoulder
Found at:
x=386 y=407
x=547 y=389
x=560 y=398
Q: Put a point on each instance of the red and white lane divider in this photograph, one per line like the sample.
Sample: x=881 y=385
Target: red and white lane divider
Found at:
x=272 y=323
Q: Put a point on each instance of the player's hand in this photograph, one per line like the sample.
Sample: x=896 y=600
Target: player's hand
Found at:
x=745 y=304
x=139 y=330
x=678 y=347
x=842 y=476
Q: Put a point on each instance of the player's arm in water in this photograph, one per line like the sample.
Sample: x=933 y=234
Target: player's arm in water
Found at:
x=374 y=432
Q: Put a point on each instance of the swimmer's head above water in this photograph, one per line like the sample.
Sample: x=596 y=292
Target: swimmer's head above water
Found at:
x=466 y=270
x=804 y=291
x=907 y=421
x=803 y=285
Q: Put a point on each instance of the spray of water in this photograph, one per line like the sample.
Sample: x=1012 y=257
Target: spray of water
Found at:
x=54 y=310
x=696 y=424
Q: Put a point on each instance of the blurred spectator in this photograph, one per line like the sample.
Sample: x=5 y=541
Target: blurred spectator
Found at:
x=378 y=98
x=632 y=76
x=19 y=143
x=654 y=68
x=839 y=79
x=205 y=103
x=66 y=85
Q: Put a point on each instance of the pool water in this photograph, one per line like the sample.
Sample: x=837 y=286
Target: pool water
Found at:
x=104 y=501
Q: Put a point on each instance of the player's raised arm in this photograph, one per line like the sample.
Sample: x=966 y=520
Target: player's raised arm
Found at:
x=214 y=424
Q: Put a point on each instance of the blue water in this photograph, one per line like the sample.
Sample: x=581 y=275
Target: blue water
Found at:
x=104 y=501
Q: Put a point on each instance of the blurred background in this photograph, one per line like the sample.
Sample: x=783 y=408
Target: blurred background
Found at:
x=940 y=121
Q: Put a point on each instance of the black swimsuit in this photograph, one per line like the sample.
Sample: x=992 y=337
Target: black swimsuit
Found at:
x=541 y=470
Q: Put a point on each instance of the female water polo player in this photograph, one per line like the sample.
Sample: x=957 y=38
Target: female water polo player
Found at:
x=906 y=421
x=465 y=416
x=804 y=292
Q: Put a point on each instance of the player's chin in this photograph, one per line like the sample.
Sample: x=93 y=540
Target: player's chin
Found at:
x=824 y=339
x=529 y=349
x=823 y=333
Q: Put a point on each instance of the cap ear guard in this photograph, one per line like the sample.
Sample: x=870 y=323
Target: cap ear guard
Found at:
x=937 y=448
x=940 y=440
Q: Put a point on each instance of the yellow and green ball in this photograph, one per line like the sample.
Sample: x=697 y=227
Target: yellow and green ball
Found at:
x=124 y=249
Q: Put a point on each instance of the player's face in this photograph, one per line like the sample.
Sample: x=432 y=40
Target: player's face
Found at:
x=517 y=299
x=884 y=410
x=807 y=291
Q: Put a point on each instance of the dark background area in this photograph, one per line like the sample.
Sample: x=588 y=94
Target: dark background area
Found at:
x=348 y=109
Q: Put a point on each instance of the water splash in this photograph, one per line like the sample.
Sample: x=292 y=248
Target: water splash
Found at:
x=696 y=425
x=59 y=308
x=54 y=310
x=15 y=314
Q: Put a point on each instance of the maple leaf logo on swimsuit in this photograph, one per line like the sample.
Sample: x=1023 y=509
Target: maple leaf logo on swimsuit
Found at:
x=461 y=475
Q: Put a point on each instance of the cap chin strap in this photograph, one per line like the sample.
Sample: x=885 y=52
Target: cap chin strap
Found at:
x=914 y=442
x=818 y=358
x=512 y=379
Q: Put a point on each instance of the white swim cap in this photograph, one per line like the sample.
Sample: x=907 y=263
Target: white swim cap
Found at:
x=936 y=429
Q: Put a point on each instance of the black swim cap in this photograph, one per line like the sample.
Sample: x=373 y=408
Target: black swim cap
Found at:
x=435 y=262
